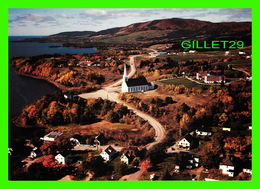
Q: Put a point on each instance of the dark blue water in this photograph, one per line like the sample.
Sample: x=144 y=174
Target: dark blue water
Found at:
x=26 y=49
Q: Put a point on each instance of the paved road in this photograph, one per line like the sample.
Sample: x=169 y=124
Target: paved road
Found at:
x=111 y=93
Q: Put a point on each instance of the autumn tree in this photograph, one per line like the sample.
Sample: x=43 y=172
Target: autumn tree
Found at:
x=235 y=144
x=49 y=161
x=146 y=164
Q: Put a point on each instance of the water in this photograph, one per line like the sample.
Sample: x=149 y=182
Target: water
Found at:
x=26 y=49
x=25 y=90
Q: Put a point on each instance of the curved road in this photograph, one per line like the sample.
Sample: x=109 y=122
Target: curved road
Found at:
x=111 y=92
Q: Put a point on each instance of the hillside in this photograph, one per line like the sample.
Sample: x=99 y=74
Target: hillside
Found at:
x=159 y=31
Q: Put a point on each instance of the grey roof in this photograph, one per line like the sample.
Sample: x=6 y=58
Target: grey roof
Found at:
x=110 y=150
x=137 y=82
x=227 y=161
x=54 y=134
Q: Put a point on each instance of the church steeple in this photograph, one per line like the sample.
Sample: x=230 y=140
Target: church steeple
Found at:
x=125 y=77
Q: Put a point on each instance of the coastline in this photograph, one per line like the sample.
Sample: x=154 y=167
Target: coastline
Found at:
x=58 y=85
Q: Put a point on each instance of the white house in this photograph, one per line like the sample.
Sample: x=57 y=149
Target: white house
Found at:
x=63 y=158
x=126 y=158
x=129 y=154
x=226 y=129
x=135 y=85
x=186 y=143
x=227 y=53
x=35 y=153
x=209 y=179
x=108 y=153
x=10 y=151
x=52 y=136
x=241 y=53
x=203 y=131
x=247 y=170
x=227 y=167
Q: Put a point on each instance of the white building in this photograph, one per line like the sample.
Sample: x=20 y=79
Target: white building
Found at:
x=63 y=158
x=247 y=170
x=227 y=167
x=203 y=131
x=126 y=158
x=52 y=136
x=108 y=153
x=35 y=153
x=192 y=51
x=186 y=143
x=135 y=85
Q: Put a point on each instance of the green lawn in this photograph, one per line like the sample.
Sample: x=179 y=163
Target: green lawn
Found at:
x=182 y=81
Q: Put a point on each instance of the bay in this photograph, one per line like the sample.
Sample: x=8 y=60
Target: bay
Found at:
x=27 y=49
x=25 y=90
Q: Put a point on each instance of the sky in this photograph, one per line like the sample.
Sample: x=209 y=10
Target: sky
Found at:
x=22 y=22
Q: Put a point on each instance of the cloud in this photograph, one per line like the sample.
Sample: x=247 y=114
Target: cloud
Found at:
x=32 y=18
x=95 y=12
x=65 y=16
x=236 y=14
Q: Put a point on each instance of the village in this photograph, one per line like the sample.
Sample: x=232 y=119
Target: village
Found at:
x=175 y=153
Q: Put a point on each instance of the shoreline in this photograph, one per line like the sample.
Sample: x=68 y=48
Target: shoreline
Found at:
x=58 y=85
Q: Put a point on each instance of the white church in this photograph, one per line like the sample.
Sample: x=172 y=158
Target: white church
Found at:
x=135 y=85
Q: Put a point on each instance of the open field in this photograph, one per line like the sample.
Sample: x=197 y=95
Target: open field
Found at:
x=182 y=81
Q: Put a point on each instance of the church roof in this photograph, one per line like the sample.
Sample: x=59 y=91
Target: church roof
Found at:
x=137 y=82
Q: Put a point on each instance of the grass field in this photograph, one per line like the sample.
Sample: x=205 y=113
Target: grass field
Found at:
x=182 y=81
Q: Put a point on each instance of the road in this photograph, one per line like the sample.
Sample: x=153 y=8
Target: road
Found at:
x=111 y=93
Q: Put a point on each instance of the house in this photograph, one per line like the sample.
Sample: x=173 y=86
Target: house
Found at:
x=129 y=155
x=209 y=179
x=135 y=85
x=88 y=63
x=10 y=151
x=158 y=54
x=203 y=131
x=127 y=158
x=247 y=167
x=63 y=158
x=192 y=51
x=193 y=162
x=227 y=53
x=187 y=161
x=74 y=142
x=214 y=79
x=226 y=129
x=247 y=170
x=187 y=143
x=36 y=152
x=52 y=136
x=177 y=169
x=227 y=166
x=69 y=96
x=200 y=76
x=108 y=153
x=241 y=53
